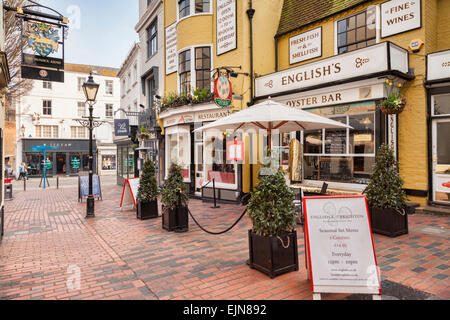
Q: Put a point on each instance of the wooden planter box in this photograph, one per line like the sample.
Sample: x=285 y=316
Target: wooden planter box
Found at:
x=268 y=255
x=175 y=219
x=388 y=222
x=147 y=210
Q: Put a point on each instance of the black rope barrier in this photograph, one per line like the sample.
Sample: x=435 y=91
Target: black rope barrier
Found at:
x=215 y=233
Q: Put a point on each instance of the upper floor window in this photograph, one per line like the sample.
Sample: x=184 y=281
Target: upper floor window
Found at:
x=109 y=111
x=47 y=132
x=203 y=68
x=148 y=2
x=202 y=6
x=81 y=81
x=184 y=8
x=81 y=109
x=184 y=70
x=152 y=39
x=47 y=107
x=357 y=31
x=109 y=87
x=47 y=85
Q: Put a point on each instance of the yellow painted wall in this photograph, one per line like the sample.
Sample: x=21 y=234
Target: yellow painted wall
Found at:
x=413 y=134
x=201 y=30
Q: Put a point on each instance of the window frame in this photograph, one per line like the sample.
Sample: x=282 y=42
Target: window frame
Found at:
x=193 y=10
x=47 y=108
x=106 y=110
x=193 y=71
x=152 y=37
x=47 y=85
x=377 y=30
x=111 y=83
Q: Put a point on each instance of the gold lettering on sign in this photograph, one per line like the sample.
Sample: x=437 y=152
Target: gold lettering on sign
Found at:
x=399 y=9
x=303 y=76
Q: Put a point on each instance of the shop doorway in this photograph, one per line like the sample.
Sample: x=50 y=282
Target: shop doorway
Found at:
x=61 y=163
x=441 y=161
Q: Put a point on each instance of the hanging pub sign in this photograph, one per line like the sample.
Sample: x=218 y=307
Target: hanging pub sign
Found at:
x=223 y=95
x=43 y=57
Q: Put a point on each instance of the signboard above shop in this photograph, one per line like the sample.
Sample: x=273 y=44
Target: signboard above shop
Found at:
x=377 y=60
x=305 y=46
x=399 y=16
x=438 y=66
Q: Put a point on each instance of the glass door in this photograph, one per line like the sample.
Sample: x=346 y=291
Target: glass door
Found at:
x=441 y=160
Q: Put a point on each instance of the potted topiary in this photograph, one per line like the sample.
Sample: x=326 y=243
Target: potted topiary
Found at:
x=385 y=196
x=174 y=199
x=273 y=239
x=147 y=197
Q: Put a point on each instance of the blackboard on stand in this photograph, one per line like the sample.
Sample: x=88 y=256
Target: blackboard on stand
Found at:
x=83 y=188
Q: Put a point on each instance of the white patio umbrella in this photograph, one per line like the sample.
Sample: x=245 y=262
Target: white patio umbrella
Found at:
x=270 y=115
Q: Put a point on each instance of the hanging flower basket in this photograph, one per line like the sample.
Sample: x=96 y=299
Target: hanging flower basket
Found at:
x=394 y=103
x=388 y=110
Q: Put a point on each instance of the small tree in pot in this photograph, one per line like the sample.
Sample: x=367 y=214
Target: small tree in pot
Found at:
x=386 y=197
x=174 y=198
x=273 y=240
x=147 y=198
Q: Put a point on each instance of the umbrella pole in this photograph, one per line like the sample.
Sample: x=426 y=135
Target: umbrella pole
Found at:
x=269 y=141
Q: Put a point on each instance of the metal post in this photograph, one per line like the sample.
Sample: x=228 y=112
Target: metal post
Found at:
x=57 y=182
x=25 y=184
x=215 y=199
x=90 y=200
x=45 y=166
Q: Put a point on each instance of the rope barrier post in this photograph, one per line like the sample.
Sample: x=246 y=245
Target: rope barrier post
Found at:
x=215 y=199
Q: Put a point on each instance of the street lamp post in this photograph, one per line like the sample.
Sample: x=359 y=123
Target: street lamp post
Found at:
x=90 y=89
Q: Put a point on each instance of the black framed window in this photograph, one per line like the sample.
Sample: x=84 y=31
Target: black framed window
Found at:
x=152 y=39
x=109 y=110
x=357 y=31
x=47 y=85
x=184 y=8
x=184 y=69
x=203 y=67
x=202 y=6
x=47 y=107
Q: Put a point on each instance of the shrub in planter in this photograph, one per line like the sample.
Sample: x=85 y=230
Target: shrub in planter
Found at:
x=174 y=198
x=385 y=196
x=147 y=197
x=273 y=239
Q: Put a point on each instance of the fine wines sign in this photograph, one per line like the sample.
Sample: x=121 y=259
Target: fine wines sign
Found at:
x=340 y=251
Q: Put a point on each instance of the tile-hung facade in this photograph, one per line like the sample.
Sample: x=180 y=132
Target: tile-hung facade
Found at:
x=200 y=36
x=338 y=61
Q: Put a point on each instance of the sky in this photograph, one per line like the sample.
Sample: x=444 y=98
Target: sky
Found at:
x=102 y=31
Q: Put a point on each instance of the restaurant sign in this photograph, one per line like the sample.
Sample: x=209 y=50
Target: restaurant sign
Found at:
x=438 y=65
x=399 y=16
x=305 y=46
x=359 y=63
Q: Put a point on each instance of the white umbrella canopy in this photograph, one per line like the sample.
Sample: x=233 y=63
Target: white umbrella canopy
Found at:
x=270 y=115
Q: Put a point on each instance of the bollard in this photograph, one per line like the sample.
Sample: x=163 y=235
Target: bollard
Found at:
x=24 y=184
x=57 y=182
x=8 y=191
x=215 y=199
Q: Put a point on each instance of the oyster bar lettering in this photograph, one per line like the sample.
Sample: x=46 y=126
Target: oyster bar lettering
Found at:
x=360 y=63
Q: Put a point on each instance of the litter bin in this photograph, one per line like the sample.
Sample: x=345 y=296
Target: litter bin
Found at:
x=8 y=191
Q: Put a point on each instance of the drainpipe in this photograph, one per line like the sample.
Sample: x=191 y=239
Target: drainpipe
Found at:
x=250 y=14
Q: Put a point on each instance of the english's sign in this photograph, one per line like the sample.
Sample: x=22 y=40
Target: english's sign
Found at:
x=438 y=65
x=375 y=59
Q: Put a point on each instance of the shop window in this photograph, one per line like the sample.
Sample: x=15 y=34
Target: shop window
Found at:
x=216 y=165
x=203 y=68
x=185 y=71
x=357 y=31
x=108 y=162
x=178 y=149
x=342 y=155
x=441 y=105
x=47 y=107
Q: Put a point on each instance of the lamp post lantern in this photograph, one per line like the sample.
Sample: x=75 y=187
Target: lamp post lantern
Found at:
x=90 y=89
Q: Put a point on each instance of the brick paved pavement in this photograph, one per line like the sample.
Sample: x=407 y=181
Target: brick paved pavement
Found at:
x=120 y=257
